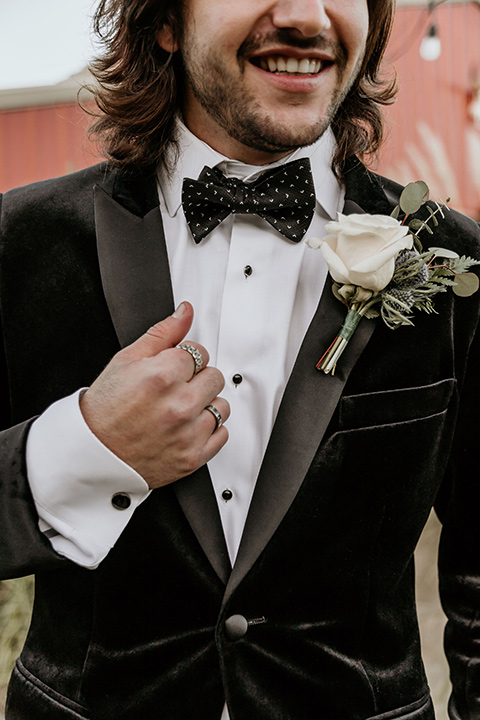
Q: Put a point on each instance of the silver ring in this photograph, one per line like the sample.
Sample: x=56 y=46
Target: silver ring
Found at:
x=216 y=415
x=196 y=355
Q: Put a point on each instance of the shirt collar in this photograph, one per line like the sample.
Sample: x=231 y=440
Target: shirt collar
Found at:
x=192 y=154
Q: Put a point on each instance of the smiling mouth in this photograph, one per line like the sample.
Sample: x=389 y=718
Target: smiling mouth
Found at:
x=283 y=65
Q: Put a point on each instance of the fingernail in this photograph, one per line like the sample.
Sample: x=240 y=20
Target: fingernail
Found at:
x=180 y=310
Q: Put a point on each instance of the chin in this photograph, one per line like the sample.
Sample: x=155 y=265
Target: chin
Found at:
x=290 y=134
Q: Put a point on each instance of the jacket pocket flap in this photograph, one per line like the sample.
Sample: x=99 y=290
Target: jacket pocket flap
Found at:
x=421 y=709
x=394 y=406
x=30 y=697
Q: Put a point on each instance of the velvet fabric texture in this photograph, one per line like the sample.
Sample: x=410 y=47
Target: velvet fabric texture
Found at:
x=354 y=465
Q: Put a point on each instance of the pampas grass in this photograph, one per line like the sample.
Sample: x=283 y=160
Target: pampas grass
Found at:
x=16 y=598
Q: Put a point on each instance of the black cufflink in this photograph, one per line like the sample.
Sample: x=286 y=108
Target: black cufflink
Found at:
x=121 y=501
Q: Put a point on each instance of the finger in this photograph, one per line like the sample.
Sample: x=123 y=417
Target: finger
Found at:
x=199 y=358
x=204 y=389
x=215 y=443
x=175 y=367
x=179 y=364
x=216 y=413
x=162 y=336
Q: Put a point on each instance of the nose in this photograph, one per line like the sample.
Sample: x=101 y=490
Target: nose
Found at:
x=308 y=17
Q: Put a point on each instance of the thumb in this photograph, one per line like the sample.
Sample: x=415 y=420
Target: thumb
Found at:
x=162 y=336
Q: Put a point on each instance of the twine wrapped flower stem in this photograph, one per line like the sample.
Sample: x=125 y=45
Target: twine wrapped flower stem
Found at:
x=380 y=269
x=329 y=359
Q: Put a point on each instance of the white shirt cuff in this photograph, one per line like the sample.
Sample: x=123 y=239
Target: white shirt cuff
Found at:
x=73 y=478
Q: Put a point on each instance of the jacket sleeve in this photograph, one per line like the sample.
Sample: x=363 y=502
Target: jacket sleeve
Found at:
x=23 y=547
x=458 y=507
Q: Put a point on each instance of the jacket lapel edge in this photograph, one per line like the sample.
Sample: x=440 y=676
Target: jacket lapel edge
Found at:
x=137 y=286
x=309 y=400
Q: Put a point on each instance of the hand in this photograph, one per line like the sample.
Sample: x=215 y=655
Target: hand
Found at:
x=148 y=408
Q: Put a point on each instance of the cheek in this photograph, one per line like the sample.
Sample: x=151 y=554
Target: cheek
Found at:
x=363 y=28
x=218 y=20
x=354 y=24
x=225 y=25
x=217 y=40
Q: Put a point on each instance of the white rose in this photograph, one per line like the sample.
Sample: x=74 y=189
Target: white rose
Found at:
x=360 y=249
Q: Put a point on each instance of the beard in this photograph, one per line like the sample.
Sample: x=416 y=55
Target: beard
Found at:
x=239 y=113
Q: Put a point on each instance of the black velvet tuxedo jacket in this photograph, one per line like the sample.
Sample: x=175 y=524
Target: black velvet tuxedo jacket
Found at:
x=354 y=464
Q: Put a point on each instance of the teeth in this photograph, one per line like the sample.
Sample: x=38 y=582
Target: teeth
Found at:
x=289 y=65
x=292 y=65
x=304 y=66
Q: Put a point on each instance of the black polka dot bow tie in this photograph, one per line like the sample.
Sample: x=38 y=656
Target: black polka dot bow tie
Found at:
x=283 y=196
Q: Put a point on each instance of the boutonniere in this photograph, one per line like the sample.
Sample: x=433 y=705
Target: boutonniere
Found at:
x=379 y=266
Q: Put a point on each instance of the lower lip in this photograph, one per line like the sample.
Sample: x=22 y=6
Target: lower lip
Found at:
x=294 y=83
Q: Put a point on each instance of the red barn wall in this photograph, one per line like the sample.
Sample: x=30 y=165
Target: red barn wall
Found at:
x=38 y=143
x=431 y=135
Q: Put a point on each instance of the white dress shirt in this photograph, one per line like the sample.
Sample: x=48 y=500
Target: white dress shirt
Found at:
x=254 y=294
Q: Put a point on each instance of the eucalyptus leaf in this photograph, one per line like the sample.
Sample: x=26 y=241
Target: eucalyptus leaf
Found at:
x=416 y=224
x=395 y=212
x=466 y=284
x=444 y=253
x=417 y=244
x=413 y=197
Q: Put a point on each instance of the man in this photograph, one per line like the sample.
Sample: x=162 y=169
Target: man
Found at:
x=320 y=494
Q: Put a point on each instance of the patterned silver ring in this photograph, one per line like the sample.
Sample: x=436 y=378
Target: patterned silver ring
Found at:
x=216 y=415
x=196 y=355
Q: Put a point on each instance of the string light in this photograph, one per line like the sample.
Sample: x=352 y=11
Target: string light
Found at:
x=431 y=47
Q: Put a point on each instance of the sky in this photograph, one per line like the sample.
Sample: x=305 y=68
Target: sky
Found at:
x=43 y=42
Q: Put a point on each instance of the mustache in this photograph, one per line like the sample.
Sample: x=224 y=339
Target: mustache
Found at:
x=284 y=37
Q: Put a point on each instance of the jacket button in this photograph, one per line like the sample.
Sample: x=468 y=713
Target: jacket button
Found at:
x=236 y=627
x=121 y=501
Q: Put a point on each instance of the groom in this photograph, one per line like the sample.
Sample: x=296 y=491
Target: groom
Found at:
x=276 y=581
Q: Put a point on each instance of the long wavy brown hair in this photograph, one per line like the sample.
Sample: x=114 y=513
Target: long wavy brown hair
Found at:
x=137 y=90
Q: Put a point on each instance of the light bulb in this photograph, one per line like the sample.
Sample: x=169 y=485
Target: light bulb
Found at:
x=430 y=47
x=474 y=108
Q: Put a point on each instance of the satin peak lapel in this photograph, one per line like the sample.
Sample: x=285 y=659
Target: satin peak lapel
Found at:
x=137 y=286
x=134 y=267
x=308 y=403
